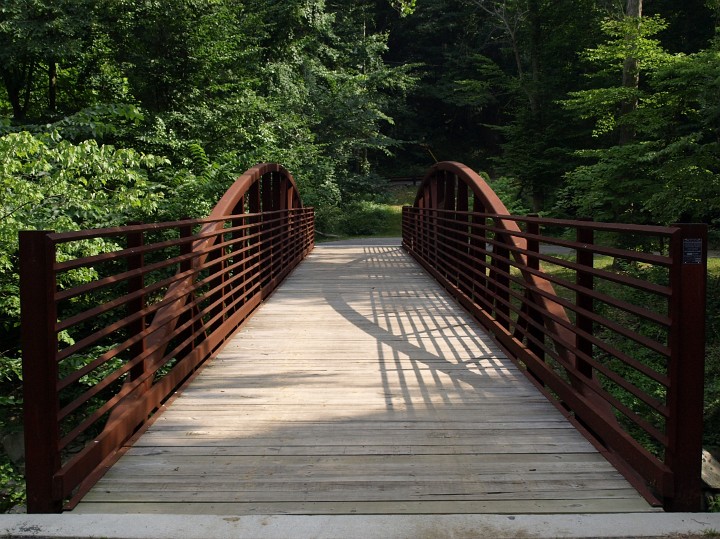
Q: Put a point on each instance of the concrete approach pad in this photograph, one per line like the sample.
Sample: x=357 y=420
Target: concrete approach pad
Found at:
x=132 y=526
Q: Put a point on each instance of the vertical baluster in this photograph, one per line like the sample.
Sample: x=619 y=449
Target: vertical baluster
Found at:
x=136 y=261
x=501 y=254
x=533 y=262
x=585 y=258
x=462 y=239
x=239 y=255
x=478 y=242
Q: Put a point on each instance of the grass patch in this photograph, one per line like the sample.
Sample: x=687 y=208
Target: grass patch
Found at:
x=381 y=216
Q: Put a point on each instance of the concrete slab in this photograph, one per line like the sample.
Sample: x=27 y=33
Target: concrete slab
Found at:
x=678 y=525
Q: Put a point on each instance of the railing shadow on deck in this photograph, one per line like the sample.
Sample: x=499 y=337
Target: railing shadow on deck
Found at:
x=108 y=337
x=414 y=332
x=421 y=381
x=620 y=346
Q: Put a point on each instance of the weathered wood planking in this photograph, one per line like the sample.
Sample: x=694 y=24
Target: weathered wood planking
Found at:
x=361 y=387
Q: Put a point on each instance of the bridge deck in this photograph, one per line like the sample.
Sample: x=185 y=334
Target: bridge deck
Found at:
x=361 y=387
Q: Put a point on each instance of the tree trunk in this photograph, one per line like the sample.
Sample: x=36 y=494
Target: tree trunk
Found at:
x=13 y=92
x=28 y=88
x=534 y=94
x=634 y=8
x=52 y=87
x=631 y=76
x=535 y=48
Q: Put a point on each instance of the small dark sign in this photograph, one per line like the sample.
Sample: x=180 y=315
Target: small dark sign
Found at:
x=692 y=251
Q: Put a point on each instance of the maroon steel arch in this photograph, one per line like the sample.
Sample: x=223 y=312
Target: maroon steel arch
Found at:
x=265 y=187
x=628 y=372
x=453 y=186
x=169 y=298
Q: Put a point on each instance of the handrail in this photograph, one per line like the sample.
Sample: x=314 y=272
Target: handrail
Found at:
x=622 y=354
x=162 y=302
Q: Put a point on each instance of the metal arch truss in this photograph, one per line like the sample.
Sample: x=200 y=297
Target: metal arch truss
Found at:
x=621 y=354
x=164 y=299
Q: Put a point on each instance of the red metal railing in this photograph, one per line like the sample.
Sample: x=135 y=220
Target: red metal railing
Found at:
x=156 y=301
x=615 y=336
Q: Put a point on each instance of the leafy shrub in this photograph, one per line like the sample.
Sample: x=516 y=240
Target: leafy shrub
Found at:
x=12 y=484
x=367 y=218
x=327 y=219
x=509 y=191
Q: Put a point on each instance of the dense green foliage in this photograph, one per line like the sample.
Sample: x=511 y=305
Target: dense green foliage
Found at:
x=146 y=110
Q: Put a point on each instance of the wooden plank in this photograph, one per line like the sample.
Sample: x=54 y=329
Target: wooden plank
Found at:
x=498 y=462
x=222 y=422
x=344 y=492
x=361 y=387
x=510 y=507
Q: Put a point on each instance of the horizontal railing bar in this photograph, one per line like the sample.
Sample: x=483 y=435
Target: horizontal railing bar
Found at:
x=643 y=461
x=256 y=288
x=652 y=230
x=81 y=317
x=635 y=256
x=651 y=401
x=154 y=247
x=653 y=345
x=119 y=301
x=77 y=235
x=607 y=276
x=121 y=277
x=650 y=373
x=168 y=299
x=625 y=306
x=90 y=420
x=147 y=248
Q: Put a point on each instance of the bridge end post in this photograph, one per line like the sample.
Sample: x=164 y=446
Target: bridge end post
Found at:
x=40 y=371
x=687 y=366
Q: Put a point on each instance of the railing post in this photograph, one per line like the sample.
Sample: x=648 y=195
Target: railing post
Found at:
x=461 y=238
x=216 y=284
x=433 y=224
x=584 y=280
x=186 y=248
x=267 y=234
x=500 y=282
x=688 y=279
x=238 y=245
x=478 y=243
x=40 y=371
x=426 y=238
x=136 y=261
x=533 y=262
x=255 y=253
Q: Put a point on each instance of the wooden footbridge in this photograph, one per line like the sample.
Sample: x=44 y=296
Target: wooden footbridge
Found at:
x=468 y=368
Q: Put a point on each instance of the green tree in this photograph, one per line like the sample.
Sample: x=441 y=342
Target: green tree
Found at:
x=35 y=37
x=668 y=169
x=538 y=135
